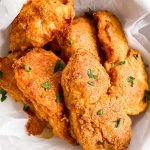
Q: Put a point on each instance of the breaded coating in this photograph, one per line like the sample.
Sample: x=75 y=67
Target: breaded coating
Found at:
x=129 y=81
x=8 y=83
x=111 y=36
x=81 y=34
x=34 y=125
x=39 y=21
x=97 y=120
x=41 y=84
x=123 y=69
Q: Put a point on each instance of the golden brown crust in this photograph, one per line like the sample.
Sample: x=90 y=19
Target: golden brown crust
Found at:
x=38 y=23
x=83 y=101
x=35 y=126
x=132 y=95
x=115 y=44
x=79 y=65
x=81 y=34
x=42 y=64
x=8 y=83
x=111 y=36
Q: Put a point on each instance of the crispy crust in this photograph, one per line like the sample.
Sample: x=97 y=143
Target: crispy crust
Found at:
x=38 y=23
x=133 y=96
x=8 y=82
x=84 y=101
x=111 y=36
x=42 y=65
x=82 y=35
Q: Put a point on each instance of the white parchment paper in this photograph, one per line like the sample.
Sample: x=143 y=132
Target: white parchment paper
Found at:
x=135 y=18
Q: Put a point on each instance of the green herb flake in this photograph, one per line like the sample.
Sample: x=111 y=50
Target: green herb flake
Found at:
x=135 y=56
x=27 y=68
x=89 y=14
x=69 y=42
x=118 y=123
x=91 y=75
x=122 y=62
x=1 y=74
x=147 y=96
x=100 y=112
x=58 y=97
x=3 y=93
x=59 y=66
x=46 y=85
x=91 y=83
x=131 y=80
x=26 y=107
x=99 y=142
x=146 y=65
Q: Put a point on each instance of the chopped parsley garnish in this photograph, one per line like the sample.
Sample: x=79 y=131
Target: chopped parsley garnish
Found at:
x=3 y=93
x=122 y=62
x=27 y=68
x=135 y=56
x=100 y=112
x=118 y=123
x=69 y=42
x=147 y=96
x=89 y=14
x=131 y=80
x=99 y=142
x=146 y=65
x=46 y=85
x=59 y=66
x=91 y=75
x=1 y=74
x=91 y=83
x=58 y=97
x=26 y=107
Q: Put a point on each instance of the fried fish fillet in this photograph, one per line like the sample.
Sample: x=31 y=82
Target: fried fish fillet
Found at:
x=41 y=84
x=39 y=21
x=111 y=36
x=81 y=34
x=97 y=120
x=129 y=81
x=8 y=83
